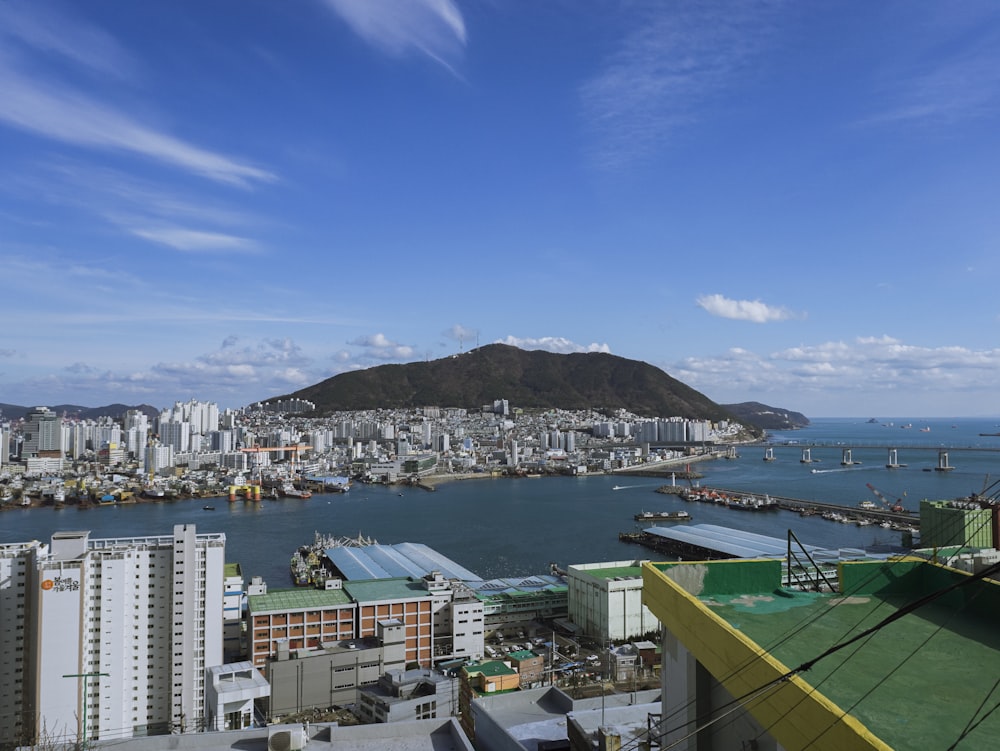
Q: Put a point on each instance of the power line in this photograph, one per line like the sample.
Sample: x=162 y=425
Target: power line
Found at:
x=920 y=602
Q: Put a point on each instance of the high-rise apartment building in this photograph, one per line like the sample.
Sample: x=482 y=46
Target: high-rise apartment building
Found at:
x=4 y=443
x=109 y=638
x=42 y=432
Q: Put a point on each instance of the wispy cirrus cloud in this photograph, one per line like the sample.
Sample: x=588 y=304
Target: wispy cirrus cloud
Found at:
x=434 y=28
x=966 y=86
x=190 y=240
x=138 y=207
x=71 y=38
x=558 y=344
x=63 y=114
x=754 y=311
x=678 y=57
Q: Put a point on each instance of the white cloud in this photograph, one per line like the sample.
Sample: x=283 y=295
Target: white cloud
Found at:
x=396 y=27
x=194 y=240
x=677 y=58
x=235 y=374
x=267 y=352
x=559 y=345
x=63 y=114
x=864 y=371
x=380 y=347
x=460 y=333
x=742 y=310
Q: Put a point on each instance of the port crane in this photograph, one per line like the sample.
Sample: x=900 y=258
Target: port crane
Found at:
x=896 y=506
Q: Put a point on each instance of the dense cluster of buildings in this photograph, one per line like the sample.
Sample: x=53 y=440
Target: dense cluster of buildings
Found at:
x=128 y=641
x=109 y=639
x=132 y=638
x=196 y=448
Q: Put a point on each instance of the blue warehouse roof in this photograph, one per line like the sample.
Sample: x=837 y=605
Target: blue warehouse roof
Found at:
x=406 y=559
x=735 y=542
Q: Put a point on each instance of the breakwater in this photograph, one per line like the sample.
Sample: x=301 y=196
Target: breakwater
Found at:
x=801 y=506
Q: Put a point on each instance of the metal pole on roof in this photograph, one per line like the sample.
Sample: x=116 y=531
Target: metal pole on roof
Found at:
x=86 y=677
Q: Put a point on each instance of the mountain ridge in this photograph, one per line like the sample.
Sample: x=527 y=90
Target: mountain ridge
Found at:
x=526 y=378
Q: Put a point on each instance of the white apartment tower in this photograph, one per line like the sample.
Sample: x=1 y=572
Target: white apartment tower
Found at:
x=119 y=633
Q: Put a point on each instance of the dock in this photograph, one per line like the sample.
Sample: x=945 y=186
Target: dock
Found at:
x=806 y=507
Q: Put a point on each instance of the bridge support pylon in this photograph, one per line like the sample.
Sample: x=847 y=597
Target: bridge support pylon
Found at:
x=942 y=465
x=893 y=460
x=769 y=454
x=806 y=456
x=846 y=458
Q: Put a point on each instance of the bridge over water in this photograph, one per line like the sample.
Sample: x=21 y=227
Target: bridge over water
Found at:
x=892 y=451
x=908 y=445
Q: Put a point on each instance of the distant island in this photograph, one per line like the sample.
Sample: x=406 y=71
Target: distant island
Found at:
x=768 y=418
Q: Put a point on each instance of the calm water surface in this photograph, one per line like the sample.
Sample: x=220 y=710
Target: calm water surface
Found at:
x=516 y=527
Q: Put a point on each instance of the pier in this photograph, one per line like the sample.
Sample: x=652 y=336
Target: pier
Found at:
x=903 y=519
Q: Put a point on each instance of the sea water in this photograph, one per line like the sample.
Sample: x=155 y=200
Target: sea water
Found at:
x=517 y=527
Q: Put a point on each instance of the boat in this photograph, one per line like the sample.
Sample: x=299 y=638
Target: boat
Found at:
x=752 y=503
x=290 y=491
x=208 y=508
x=660 y=516
x=616 y=487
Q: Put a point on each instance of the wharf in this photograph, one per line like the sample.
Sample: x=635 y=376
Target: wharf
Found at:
x=805 y=508
x=672 y=548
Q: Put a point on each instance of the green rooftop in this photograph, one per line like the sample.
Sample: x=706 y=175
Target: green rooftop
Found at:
x=522 y=654
x=306 y=598
x=615 y=572
x=917 y=682
x=490 y=668
x=232 y=569
x=373 y=590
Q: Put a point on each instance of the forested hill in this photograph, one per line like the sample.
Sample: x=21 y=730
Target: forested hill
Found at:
x=526 y=378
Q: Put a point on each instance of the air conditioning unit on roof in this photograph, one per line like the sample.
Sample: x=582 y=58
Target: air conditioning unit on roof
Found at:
x=286 y=738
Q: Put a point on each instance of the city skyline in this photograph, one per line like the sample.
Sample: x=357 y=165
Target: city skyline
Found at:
x=771 y=202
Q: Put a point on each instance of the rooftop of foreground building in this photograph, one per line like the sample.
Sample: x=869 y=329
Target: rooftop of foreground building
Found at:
x=304 y=598
x=919 y=679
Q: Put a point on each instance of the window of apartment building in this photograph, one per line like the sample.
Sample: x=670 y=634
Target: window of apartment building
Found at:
x=427 y=710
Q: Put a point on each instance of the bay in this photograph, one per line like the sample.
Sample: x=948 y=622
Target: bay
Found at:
x=517 y=527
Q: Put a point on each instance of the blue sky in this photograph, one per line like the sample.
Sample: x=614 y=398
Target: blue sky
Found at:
x=794 y=203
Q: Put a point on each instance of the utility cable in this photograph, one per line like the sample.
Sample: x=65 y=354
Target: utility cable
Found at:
x=920 y=602
x=811 y=619
x=970 y=725
x=892 y=617
x=889 y=674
